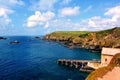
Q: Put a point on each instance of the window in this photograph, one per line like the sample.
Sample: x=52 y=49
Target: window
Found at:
x=105 y=59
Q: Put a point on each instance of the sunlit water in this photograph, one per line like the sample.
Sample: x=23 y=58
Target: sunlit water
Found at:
x=34 y=59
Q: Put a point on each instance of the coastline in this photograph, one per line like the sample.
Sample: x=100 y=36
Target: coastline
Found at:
x=93 y=41
x=109 y=72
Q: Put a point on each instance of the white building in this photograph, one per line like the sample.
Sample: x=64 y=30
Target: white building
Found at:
x=106 y=56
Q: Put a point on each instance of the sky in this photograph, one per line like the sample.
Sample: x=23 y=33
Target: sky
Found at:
x=40 y=17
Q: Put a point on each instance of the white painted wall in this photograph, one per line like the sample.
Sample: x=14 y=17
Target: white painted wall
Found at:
x=110 y=51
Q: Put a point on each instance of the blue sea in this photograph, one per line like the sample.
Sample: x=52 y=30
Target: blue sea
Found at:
x=35 y=59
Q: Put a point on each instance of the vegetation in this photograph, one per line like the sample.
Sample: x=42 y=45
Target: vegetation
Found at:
x=102 y=71
x=84 y=33
x=104 y=38
x=73 y=34
x=93 y=41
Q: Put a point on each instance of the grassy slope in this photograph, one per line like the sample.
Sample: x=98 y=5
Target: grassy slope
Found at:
x=69 y=33
x=102 y=71
x=106 y=38
x=84 y=33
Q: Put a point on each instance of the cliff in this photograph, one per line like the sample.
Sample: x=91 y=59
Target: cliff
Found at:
x=90 y=40
x=111 y=72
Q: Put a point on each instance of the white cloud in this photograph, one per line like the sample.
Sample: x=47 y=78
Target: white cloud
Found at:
x=66 y=2
x=4 y=12
x=83 y=29
x=40 y=19
x=98 y=23
x=114 y=13
x=6 y=9
x=8 y=3
x=111 y=19
x=69 y=11
x=92 y=23
x=88 y=8
x=62 y=24
x=43 y=5
x=46 y=25
x=4 y=18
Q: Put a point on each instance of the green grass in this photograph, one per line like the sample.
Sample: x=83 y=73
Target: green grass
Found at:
x=76 y=36
x=104 y=31
x=84 y=33
x=75 y=33
x=104 y=38
x=108 y=30
x=71 y=34
x=116 y=29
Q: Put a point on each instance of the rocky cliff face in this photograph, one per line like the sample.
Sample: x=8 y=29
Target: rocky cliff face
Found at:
x=90 y=40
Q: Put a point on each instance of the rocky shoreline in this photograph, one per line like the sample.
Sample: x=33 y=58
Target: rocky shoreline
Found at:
x=93 y=41
x=70 y=45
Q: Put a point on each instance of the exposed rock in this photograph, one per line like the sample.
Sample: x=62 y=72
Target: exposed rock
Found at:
x=3 y=38
x=15 y=42
x=93 y=41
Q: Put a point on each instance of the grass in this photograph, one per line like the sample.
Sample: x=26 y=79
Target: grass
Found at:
x=76 y=36
x=75 y=33
x=84 y=34
x=72 y=34
x=108 y=30
x=106 y=38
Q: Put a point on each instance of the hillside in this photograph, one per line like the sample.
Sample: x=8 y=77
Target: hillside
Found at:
x=106 y=73
x=90 y=40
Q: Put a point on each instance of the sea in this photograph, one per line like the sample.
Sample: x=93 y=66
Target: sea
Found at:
x=36 y=59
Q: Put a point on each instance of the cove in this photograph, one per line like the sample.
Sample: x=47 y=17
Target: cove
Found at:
x=35 y=59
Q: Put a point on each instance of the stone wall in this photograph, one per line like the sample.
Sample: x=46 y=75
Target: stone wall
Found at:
x=107 y=54
x=105 y=59
x=94 y=65
x=110 y=51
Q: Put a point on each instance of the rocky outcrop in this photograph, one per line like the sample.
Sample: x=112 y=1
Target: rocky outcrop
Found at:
x=3 y=38
x=93 y=41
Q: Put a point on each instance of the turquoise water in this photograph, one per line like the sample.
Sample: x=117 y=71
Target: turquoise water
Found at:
x=34 y=59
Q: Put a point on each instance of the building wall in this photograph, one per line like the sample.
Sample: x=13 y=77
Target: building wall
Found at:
x=110 y=51
x=105 y=59
x=94 y=65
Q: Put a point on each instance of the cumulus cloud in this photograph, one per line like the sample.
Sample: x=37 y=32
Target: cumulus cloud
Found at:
x=4 y=18
x=43 y=5
x=6 y=9
x=111 y=19
x=91 y=24
x=4 y=12
x=40 y=19
x=114 y=13
x=97 y=22
x=69 y=11
x=61 y=23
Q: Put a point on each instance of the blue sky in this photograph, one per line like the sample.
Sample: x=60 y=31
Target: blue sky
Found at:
x=39 y=17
